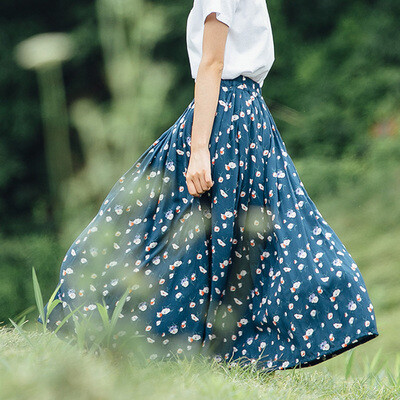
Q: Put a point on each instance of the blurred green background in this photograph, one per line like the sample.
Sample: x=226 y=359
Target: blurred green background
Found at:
x=78 y=78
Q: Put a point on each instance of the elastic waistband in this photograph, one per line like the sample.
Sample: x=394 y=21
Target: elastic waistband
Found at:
x=242 y=82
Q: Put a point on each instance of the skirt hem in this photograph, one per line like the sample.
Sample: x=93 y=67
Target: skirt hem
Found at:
x=311 y=361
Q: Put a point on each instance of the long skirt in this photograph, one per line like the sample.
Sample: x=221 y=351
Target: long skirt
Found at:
x=249 y=272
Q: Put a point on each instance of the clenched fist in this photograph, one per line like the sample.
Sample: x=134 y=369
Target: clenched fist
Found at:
x=198 y=175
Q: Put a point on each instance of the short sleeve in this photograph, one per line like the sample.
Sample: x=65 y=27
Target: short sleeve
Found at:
x=224 y=9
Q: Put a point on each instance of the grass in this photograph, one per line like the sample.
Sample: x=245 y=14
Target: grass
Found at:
x=40 y=366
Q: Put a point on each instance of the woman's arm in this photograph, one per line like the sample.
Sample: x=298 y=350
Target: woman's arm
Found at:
x=206 y=94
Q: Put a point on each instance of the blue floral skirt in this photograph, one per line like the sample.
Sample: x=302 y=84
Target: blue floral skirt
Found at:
x=249 y=272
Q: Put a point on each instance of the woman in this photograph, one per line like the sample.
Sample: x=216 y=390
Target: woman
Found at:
x=212 y=231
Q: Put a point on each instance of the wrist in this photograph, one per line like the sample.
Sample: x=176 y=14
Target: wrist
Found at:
x=197 y=147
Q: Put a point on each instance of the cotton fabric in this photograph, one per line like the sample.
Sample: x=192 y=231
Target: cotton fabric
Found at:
x=249 y=48
x=249 y=272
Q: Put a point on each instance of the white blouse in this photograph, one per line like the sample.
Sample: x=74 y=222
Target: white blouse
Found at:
x=249 y=48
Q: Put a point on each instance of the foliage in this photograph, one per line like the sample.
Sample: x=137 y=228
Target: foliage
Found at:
x=334 y=83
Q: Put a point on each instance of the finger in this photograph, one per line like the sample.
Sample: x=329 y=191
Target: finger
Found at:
x=191 y=187
x=203 y=183
x=197 y=184
x=208 y=178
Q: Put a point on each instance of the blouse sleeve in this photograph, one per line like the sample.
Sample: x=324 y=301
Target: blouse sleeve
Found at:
x=224 y=9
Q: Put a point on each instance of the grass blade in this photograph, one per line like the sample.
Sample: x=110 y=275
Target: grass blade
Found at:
x=366 y=366
x=20 y=318
x=51 y=301
x=375 y=361
x=22 y=333
x=66 y=318
x=118 y=308
x=349 y=365
x=52 y=305
x=104 y=316
x=391 y=378
x=397 y=368
x=39 y=298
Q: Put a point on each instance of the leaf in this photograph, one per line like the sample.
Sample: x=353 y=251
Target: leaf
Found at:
x=39 y=298
x=52 y=305
x=51 y=300
x=104 y=315
x=118 y=308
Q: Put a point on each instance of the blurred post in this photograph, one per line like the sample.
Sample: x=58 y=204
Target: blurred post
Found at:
x=45 y=53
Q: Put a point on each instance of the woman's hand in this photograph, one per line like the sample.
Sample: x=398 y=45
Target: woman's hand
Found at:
x=198 y=175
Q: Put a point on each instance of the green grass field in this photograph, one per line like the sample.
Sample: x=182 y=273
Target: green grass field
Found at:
x=364 y=213
x=40 y=366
